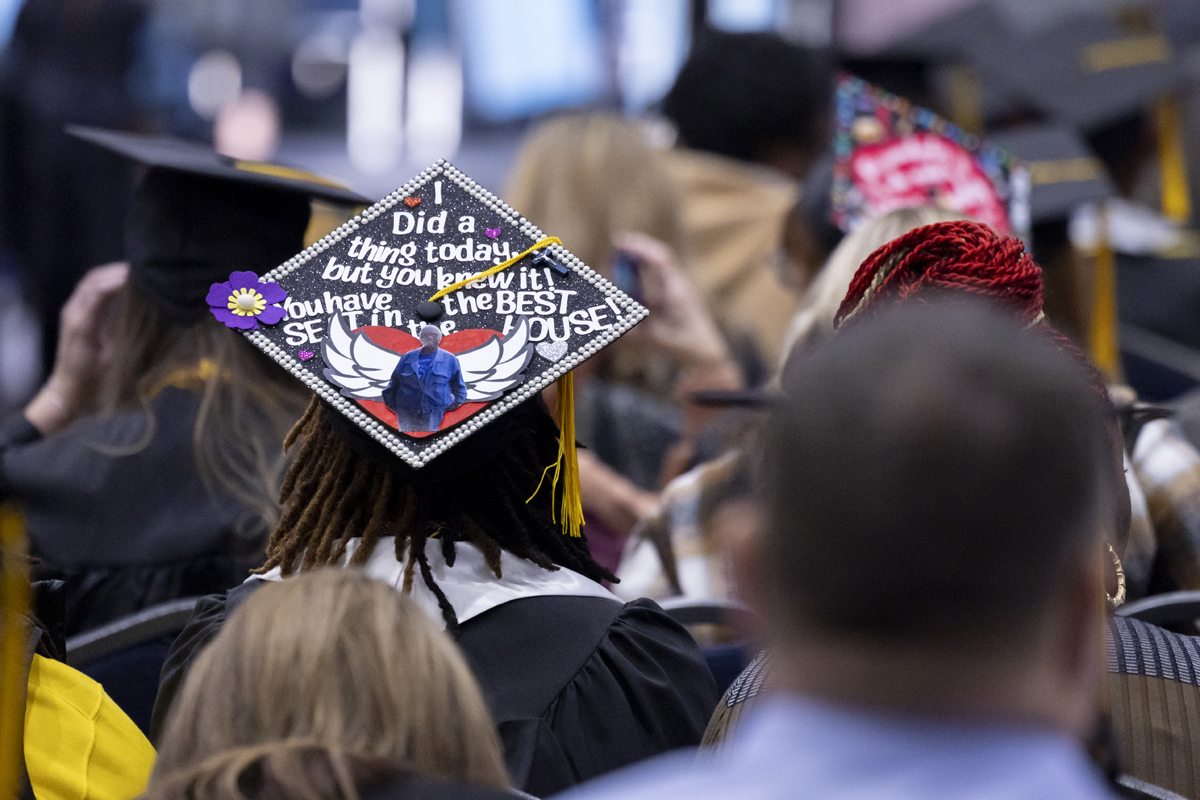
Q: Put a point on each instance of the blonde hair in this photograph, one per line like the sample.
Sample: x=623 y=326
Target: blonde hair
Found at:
x=584 y=177
x=813 y=323
x=332 y=668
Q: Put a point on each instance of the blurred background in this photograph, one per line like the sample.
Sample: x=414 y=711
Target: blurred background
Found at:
x=367 y=92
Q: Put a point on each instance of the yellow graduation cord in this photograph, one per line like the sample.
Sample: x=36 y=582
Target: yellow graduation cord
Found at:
x=1176 y=201
x=14 y=604
x=1105 y=351
x=566 y=466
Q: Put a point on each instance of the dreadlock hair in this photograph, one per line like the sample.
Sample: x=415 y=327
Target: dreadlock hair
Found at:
x=343 y=484
x=959 y=257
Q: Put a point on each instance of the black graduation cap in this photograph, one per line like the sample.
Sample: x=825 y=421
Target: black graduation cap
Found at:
x=429 y=315
x=1085 y=71
x=1063 y=171
x=197 y=216
x=934 y=66
x=950 y=37
x=197 y=159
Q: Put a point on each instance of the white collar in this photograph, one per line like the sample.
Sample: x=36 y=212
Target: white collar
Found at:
x=470 y=585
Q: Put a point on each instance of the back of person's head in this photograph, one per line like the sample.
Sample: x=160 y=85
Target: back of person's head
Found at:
x=487 y=491
x=751 y=96
x=968 y=260
x=932 y=475
x=320 y=682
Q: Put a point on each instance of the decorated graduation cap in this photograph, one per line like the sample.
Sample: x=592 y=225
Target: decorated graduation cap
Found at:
x=891 y=154
x=198 y=216
x=1063 y=172
x=430 y=316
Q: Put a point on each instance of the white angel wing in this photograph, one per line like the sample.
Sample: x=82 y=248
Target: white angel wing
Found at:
x=354 y=363
x=496 y=366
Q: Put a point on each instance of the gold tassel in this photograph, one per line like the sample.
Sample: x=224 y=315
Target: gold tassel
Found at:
x=1176 y=200
x=566 y=466
x=1104 y=303
x=14 y=604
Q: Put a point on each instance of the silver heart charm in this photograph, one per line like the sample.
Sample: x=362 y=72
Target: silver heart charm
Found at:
x=552 y=351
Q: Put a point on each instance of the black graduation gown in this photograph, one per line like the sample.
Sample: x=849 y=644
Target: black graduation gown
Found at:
x=578 y=686
x=126 y=531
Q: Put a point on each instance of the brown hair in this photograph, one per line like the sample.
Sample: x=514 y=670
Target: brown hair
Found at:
x=317 y=682
x=247 y=401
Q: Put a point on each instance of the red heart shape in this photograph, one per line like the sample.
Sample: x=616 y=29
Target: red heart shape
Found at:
x=412 y=202
x=401 y=342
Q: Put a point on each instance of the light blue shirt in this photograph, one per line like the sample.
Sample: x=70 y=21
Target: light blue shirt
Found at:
x=801 y=749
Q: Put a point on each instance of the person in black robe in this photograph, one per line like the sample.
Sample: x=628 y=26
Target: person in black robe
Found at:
x=61 y=201
x=578 y=682
x=148 y=465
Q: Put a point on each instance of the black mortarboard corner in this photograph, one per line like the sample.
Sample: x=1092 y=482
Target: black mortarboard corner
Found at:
x=1085 y=71
x=1063 y=172
x=933 y=66
x=198 y=216
x=514 y=309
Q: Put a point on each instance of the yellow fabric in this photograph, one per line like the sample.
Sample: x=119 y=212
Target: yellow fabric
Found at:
x=1176 y=201
x=1105 y=350
x=14 y=605
x=733 y=218
x=79 y=745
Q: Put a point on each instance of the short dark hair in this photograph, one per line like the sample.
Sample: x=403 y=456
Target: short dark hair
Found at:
x=740 y=93
x=928 y=475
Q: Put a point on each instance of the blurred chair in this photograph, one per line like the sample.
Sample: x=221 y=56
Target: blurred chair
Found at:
x=725 y=661
x=126 y=655
x=691 y=611
x=1166 y=610
x=1131 y=787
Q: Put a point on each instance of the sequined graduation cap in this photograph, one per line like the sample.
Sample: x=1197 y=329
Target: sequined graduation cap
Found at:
x=890 y=154
x=360 y=313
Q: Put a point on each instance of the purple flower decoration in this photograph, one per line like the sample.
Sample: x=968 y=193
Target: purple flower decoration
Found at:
x=243 y=301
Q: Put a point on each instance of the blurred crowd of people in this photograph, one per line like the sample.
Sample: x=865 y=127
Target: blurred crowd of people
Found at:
x=877 y=502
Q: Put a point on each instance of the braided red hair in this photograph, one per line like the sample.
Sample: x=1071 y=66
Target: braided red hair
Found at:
x=957 y=256
x=953 y=257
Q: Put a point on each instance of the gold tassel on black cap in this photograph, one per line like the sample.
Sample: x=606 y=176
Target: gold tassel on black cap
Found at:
x=566 y=466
